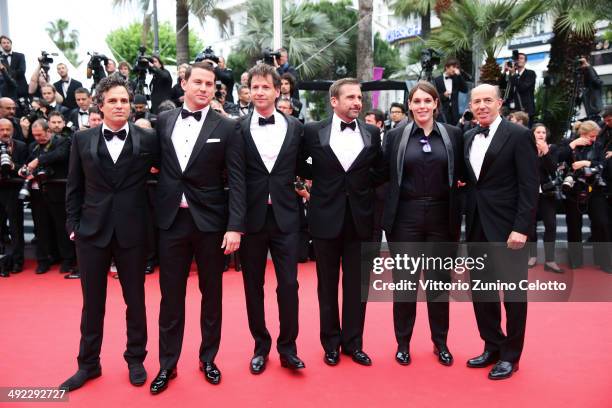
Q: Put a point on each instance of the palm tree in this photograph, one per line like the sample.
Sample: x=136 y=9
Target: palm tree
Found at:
x=482 y=27
x=146 y=19
x=574 y=36
x=365 y=54
x=199 y=8
x=66 y=40
x=305 y=33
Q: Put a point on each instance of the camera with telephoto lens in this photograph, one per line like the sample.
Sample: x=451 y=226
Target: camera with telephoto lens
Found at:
x=95 y=66
x=141 y=65
x=468 y=116
x=269 y=55
x=429 y=59
x=45 y=60
x=553 y=187
x=511 y=63
x=584 y=181
x=207 y=54
x=40 y=175
x=6 y=161
x=218 y=90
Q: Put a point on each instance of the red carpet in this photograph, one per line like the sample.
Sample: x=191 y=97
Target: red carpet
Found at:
x=566 y=361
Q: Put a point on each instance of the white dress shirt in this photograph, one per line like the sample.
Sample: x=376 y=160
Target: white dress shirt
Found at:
x=346 y=144
x=184 y=137
x=480 y=145
x=269 y=139
x=448 y=83
x=82 y=120
x=65 y=86
x=115 y=145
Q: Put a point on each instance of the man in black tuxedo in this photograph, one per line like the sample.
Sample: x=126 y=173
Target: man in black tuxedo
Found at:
x=79 y=117
x=48 y=93
x=106 y=217
x=200 y=149
x=448 y=85
x=502 y=178
x=272 y=147
x=67 y=86
x=343 y=150
x=522 y=86
x=11 y=206
x=17 y=65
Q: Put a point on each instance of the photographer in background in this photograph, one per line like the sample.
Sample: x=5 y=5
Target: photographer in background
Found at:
x=16 y=65
x=178 y=95
x=592 y=91
x=50 y=95
x=66 y=86
x=287 y=90
x=448 y=85
x=225 y=75
x=8 y=85
x=520 y=85
x=7 y=111
x=124 y=73
x=13 y=154
x=57 y=124
x=282 y=64
x=110 y=66
x=141 y=110
x=244 y=100
x=95 y=117
x=584 y=188
x=48 y=160
x=79 y=117
x=161 y=84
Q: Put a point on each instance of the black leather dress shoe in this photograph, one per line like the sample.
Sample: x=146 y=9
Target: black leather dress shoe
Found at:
x=17 y=268
x=332 y=358
x=161 y=381
x=291 y=361
x=66 y=268
x=484 y=360
x=149 y=269
x=80 y=378
x=211 y=372
x=503 y=370
x=403 y=357
x=554 y=269
x=258 y=364
x=4 y=273
x=444 y=356
x=138 y=374
x=359 y=357
x=42 y=268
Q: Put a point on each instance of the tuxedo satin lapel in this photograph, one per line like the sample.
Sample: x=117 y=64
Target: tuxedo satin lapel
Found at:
x=324 y=136
x=94 y=140
x=448 y=145
x=245 y=125
x=210 y=124
x=167 y=137
x=466 y=154
x=401 y=151
x=499 y=140
x=286 y=141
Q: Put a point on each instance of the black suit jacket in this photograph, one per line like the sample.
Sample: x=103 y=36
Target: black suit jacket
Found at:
x=69 y=101
x=278 y=183
x=394 y=151
x=331 y=185
x=55 y=158
x=522 y=91
x=506 y=194
x=97 y=207
x=218 y=153
x=450 y=106
x=17 y=71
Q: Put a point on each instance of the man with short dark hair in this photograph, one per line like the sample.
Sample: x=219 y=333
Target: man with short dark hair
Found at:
x=244 y=100
x=80 y=115
x=344 y=151
x=48 y=93
x=67 y=86
x=522 y=86
x=448 y=85
x=272 y=153
x=397 y=114
x=16 y=64
x=106 y=217
x=226 y=76
x=288 y=91
x=200 y=149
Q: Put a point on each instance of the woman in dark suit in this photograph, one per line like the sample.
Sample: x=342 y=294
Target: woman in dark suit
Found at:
x=424 y=160
x=547 y=200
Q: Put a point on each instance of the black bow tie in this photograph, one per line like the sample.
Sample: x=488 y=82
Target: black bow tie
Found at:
x=266 y=121
x=197 y=115
x=344 y=125
x=447 y=77
x=482 y=131
x=83 y=113
x=66 y=81
x=8 y=55
x=109 y=134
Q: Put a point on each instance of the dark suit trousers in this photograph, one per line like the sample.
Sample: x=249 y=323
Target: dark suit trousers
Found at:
x=420 y=221
x=177 y=247
x=547 y=212
x=330 y=253
x=14 y=213
x=510 y=266
x=50 y=223
x=253 y=255
x=94 y=263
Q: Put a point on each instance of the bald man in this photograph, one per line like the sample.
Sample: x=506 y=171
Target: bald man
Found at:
x=502 y=191
x=7 y=111
x=9 y=204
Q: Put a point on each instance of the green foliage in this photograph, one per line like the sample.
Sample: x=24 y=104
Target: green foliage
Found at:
x=124 y=43
x=386 y=56
x=65 y=39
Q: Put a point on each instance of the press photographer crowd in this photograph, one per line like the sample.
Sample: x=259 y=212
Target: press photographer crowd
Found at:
x=39 y=117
